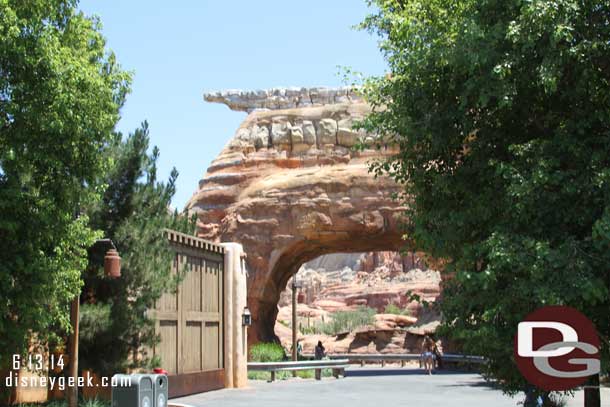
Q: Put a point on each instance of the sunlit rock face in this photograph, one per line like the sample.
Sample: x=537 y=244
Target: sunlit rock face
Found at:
x=289 y=186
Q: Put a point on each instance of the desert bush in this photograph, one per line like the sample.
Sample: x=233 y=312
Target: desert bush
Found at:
x=392 y=309
x=347 y=321
x=310 y=330
x=395 y=310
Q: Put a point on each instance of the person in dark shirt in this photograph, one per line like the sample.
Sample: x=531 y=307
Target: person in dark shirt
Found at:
x=320 y=353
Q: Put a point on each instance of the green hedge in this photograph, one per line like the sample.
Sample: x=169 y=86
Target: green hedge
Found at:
x=267 y=352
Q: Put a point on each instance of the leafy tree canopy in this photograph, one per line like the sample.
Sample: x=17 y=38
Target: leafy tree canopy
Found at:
x=60 y=94
x=501 y=110
x=133 y=212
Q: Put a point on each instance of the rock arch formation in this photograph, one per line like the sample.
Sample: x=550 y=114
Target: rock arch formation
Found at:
x=289 y=187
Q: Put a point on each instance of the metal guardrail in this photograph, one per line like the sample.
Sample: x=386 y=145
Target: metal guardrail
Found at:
x=338 y=362
x=451 y=357
x=448 y=357
x=337 y=365
x=299 y=365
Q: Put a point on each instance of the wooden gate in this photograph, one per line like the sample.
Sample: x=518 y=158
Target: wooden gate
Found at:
x=190 y=321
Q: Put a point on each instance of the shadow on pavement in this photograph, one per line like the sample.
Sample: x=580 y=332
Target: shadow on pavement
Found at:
x=364 y=372
x=479 y=383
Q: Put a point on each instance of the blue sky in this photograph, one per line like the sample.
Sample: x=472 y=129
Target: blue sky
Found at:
x=179 y=49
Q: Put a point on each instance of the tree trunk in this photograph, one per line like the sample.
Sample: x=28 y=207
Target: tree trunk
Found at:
x=592 y=392
x=72 y=391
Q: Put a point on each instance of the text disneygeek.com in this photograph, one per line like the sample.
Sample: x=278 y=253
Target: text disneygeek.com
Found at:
x=31 y=371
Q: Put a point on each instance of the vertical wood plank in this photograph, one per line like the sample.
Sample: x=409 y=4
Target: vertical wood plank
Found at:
x=204 y=287
x=180 y=319
x=220 y=307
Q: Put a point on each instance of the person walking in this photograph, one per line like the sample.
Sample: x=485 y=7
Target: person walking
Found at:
x=320 y=353
x=428 y=357
x=438 y=354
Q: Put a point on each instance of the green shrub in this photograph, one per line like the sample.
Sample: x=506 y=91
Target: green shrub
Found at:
x=310 y=374
x=95 y=319
x=347 y=321
x=303 y=374
x=267 y=352
x=342 y=321
x=62 y=403
x=395 y=310
x=310 y=330
x=272 y=352
x=262 y=375
x=93 y=403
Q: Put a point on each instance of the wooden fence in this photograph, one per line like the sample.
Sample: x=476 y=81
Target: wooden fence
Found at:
x=190 y=321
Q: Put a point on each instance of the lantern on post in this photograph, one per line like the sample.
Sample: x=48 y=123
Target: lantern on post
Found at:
x=112 y=269
x=112 y=263
x=246 y=317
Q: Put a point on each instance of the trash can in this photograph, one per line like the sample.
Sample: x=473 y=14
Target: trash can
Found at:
x=136 y=390
x=160 y=389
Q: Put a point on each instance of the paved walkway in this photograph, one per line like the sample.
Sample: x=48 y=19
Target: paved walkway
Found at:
x=369 y=387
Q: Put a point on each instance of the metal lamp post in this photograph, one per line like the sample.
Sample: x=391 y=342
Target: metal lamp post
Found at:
x=295 y=286
x=112 y=269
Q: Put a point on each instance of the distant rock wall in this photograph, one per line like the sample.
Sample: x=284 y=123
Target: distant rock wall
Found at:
x=346 y=282
x=335 y=261
x=340 y=282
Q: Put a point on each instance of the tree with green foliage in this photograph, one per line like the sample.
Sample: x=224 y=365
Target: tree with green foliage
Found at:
x=60 y=94
x=501 y=111
x=133 y=213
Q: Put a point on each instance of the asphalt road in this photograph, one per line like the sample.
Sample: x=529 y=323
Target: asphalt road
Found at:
x=369 y=387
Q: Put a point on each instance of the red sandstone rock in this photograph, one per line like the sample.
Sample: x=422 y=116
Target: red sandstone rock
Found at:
x=330 y=305
x=386 y=341
x=289 y=187
x=394 y=321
